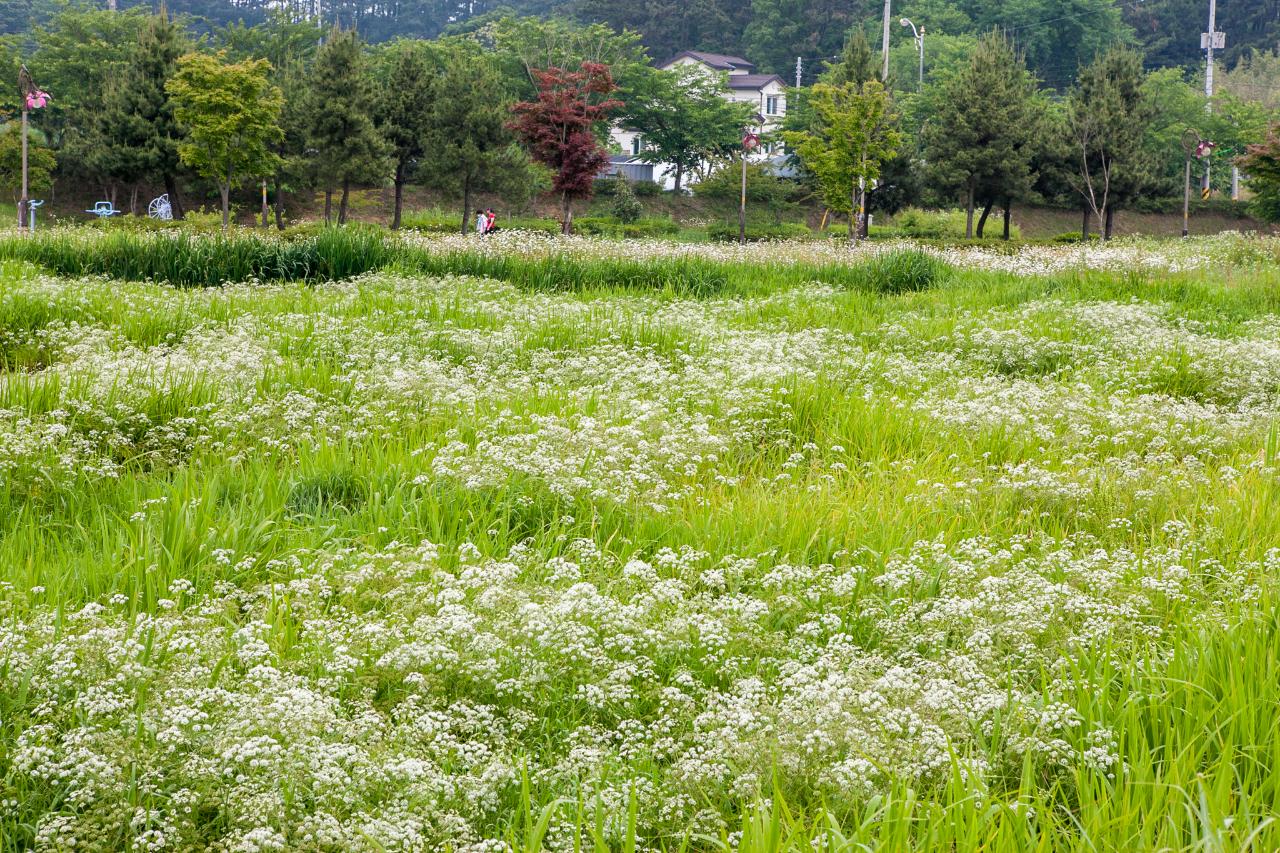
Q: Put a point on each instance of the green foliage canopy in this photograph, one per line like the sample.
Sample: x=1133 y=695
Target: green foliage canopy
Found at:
x=231 y=115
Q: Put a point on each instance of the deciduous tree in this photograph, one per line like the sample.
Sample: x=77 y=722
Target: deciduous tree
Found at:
x=231 y=115
x=684 y=118
x=561 y=129
x=852 y=134
x=40 y=161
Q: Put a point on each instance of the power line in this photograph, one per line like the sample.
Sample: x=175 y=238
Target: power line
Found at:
x=1075 y=17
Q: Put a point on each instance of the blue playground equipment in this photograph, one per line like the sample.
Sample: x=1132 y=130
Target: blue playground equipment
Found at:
x=103 y=209
x=160 y=208
x=32 y=204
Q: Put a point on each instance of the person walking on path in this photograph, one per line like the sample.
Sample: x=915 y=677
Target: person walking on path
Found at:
x=482 y=222
x=490 y=217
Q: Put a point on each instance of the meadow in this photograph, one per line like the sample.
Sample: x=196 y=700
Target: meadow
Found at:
x=429 y=543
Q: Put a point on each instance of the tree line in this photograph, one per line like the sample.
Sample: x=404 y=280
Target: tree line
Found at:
x=989 y=136
x=1056 y=36
x=521 y=106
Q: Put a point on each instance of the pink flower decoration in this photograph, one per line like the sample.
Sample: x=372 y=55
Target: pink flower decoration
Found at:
x=37 y=99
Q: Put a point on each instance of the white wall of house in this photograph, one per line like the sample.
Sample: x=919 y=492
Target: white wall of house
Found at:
x=769 y=100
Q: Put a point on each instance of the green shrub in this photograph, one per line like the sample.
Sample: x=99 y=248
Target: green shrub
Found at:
x=608 y=226
x=943 y=224
x=626 y=208
x=728 y=232
x=198 y=260
x=432 y=220
x=764 y=187
x=646 y=189
x=914 y=222
x=300 y=230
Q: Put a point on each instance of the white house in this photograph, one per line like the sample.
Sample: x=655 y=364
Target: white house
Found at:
x=766 y=92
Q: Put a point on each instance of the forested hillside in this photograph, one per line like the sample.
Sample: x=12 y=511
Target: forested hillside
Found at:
x=1057 y=35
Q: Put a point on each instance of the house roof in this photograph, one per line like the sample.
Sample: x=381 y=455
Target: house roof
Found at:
x=718 y=61
x=753 y=81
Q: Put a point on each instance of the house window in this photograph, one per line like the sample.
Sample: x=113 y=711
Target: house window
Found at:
x=771 y=105
x=637 y=145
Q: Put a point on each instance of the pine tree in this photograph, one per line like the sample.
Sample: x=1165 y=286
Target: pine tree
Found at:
x=1108 y=117
x=856 y=64
x=471 y=146
x=1262 y=163
x=982 y=139
x=404 y=113
x=350 y=150
x=138 y=115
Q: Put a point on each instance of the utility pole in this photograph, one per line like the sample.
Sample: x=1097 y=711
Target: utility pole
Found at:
x=1208 y=42
x=884 y=45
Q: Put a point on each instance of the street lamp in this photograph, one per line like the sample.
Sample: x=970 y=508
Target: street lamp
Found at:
x=919 y=36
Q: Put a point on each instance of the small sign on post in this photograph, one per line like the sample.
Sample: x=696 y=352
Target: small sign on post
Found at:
x=1219 y=41
x=1194 y=147
x=750 y=142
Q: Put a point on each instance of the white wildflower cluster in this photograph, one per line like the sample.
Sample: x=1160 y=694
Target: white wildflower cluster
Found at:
x=406 y=723
x=1135 y=255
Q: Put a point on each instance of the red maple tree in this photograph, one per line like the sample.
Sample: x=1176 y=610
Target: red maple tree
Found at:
x=559 y=128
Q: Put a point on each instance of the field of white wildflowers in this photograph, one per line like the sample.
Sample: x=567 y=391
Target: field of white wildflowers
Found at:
x=411 y=563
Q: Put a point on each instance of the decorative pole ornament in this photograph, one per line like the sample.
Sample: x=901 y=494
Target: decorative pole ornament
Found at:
x=32 y=99
x=1195 y=148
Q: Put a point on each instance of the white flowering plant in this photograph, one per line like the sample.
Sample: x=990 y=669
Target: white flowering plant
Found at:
x=406 y=562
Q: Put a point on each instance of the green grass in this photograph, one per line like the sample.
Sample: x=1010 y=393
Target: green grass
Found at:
x=330 y=254
x=183 y=259
x=212 y=502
